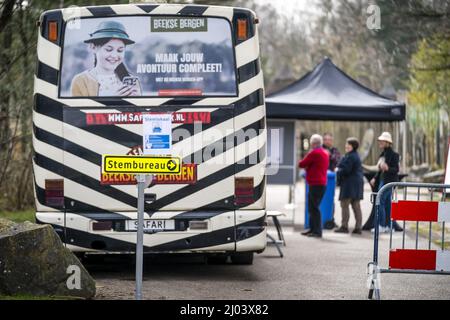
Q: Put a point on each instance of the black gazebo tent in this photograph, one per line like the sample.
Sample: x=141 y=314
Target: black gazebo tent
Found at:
x=328 y=93
x=325 y=93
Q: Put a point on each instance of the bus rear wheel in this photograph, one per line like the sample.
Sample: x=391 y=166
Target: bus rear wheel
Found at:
x=242 y=258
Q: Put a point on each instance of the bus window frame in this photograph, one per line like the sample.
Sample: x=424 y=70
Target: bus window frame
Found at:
x=178 y=98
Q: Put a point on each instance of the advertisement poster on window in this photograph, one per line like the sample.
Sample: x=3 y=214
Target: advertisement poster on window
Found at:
x=160 y=56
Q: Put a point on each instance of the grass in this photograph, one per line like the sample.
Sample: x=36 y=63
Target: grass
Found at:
x=19 y=216
x=436 y=231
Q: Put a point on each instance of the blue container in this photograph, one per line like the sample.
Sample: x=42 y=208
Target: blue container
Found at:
x=327 y=204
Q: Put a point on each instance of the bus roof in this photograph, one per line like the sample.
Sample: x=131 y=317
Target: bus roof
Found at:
x=147 y=8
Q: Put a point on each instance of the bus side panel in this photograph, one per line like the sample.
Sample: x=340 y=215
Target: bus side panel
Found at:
x=254 y=153
x=251 y=230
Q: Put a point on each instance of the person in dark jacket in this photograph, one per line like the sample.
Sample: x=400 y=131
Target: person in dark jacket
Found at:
x=389 y=167
x=335 y=157
x=350 y=179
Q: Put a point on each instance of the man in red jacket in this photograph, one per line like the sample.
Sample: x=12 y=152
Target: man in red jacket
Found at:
x=316 y=163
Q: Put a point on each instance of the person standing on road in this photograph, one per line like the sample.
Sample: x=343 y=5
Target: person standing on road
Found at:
x=316 y=163
x=335 y=158
x=350 y=179
x=335 y=155
x=388 y=166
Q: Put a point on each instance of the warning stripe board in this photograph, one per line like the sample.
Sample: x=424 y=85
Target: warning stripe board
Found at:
x=430 y=211
x=431 y=260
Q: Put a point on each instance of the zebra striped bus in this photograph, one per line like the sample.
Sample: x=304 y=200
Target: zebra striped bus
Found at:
x=99 y=70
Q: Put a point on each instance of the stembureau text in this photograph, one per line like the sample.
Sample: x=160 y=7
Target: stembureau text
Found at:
x=228 y=310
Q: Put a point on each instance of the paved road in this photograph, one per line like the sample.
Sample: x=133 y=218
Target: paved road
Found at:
x=330 y=268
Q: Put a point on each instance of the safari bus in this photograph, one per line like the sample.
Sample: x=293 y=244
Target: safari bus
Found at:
x=99 y=70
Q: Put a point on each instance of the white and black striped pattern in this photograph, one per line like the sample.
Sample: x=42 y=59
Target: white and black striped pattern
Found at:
x=76 y=156
x=223 y=237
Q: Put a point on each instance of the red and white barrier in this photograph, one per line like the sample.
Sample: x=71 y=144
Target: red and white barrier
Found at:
x=426 y=211
x=435 y=260
x=422 y=211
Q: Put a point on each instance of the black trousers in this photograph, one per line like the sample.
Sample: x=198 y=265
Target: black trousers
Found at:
x=315 y=196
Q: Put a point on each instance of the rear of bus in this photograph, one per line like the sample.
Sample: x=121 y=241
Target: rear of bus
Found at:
x=99 y=70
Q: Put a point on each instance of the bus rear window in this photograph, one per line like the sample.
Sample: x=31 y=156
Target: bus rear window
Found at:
x=157 y=56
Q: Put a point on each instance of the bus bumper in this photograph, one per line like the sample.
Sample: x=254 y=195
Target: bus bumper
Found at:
x=226 y=231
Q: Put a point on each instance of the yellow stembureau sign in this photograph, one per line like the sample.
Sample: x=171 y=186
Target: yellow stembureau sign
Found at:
x=140 y=164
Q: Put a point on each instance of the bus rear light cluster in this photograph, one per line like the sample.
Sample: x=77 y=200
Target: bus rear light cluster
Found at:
x=53 y=31
x=242 y=32
x=54 y=193
x=244 y=191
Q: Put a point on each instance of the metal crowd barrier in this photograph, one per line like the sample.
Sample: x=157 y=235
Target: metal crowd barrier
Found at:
x=420 y=209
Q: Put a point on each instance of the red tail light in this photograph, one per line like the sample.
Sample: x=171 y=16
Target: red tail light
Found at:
x=243 y=191
x=54 y=193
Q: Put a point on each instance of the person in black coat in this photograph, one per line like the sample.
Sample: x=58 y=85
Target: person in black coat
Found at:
x=389 y=167
x=350 y=179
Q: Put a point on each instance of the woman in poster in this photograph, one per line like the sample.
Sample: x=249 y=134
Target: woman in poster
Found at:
x=109 y=77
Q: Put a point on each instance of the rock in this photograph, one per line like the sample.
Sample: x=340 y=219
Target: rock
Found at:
x=34 y=261
x=5 y=224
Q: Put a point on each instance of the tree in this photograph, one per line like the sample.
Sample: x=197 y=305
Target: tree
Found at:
x=18 y=38
x=404 y=24
x=340 y=33
x=430 y=73
x=429 y=93
x=407 y=51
